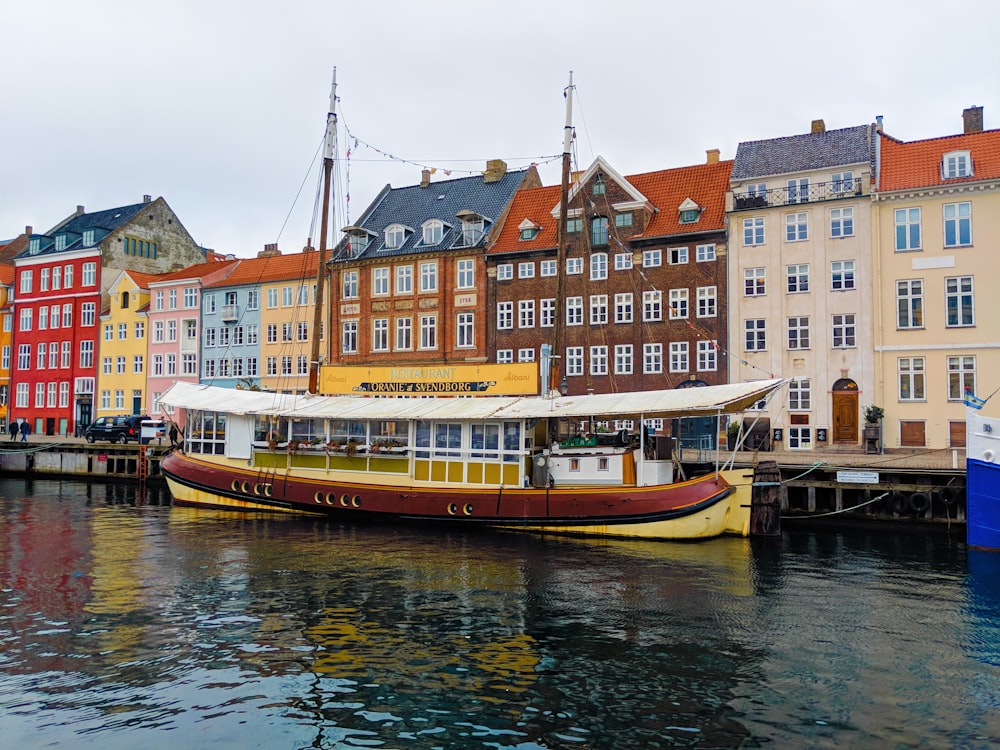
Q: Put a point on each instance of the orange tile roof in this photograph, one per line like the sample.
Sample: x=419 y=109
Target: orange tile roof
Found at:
x=273 y=268
x=196 y=271
x=6 y=273
x=705 y=184
x=143 y=280
x=918 y=163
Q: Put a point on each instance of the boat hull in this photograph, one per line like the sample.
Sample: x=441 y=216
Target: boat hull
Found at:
x=701 y=508
x=982 y=482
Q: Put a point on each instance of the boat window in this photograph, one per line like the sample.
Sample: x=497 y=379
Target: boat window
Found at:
x=270 y=428
x=391 y=433
x=486 y=441
x=423 y=438
x=309 y=430
x=511 y=440
x=206 y=432
x=447 y=435
x=344 y=430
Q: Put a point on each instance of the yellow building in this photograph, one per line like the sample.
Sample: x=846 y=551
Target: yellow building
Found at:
x=936 y=217
x=121 y=370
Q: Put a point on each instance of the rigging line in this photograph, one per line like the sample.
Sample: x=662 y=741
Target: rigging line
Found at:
x=584 y=120
x=299 y=192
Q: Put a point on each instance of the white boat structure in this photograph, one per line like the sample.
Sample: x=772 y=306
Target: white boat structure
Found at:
x=500 y=461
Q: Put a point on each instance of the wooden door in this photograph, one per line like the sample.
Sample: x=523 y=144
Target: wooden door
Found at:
x=845 y=417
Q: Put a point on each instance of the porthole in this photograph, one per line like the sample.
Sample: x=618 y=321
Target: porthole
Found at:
x=256 y=489
x=236 y=486
x=267 y=490
x=246 y=488
x=467 y=510
x=319 y=497
x=331 y=499
x=345 y=500
x=356 y=501
x=452 y=509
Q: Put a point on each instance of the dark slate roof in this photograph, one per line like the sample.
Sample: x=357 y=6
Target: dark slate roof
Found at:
x=413 y=206
x=801 y=153
x=102 y=222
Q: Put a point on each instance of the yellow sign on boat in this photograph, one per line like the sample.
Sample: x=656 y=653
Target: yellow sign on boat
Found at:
x=519 y=379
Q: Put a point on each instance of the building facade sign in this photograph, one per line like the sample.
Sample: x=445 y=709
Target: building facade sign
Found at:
x=519 y=379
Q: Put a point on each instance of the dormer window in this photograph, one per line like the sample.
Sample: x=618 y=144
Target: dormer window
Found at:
x=598 y=188
x=689 y=212
x=34 y=246
x=956 y=164
x=473 y=228
x=395 y=236
x=88 y=237
x=60 y=242
x=433 y=232
x=357 y=243
x=527 y=230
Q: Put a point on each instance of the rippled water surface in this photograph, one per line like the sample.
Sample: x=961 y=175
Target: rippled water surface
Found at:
x=126 y=623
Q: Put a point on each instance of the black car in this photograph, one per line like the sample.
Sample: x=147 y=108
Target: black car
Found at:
x=119 y=429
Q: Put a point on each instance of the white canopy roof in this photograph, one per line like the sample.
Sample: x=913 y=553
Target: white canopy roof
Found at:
x=678 y=402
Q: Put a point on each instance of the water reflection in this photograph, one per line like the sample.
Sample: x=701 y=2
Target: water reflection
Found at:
x=122 y=617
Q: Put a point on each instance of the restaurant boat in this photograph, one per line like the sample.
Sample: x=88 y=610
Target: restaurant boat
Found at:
x=522 y=462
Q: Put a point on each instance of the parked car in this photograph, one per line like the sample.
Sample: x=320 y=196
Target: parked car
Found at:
x=119 y=429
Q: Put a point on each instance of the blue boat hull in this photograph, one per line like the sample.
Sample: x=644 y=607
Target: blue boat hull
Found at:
x=982 y=504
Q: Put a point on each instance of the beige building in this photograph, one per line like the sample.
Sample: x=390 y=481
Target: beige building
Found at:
x=937 y=231
x=799 y=213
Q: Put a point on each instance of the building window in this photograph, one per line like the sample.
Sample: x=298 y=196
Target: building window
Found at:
x=678 y=304
x=505 y=316
x=505 y=356
x=86 y=354
x=404 y=334
x=428 y=332
x=652 y=358
x=907 y=229
x=549 y=268
x=957 y=224
x=24 y=357
x=466 y=331
x=433 y=232
x=959 y=301
x=190 y=297
x=122 y=331
x=598 y=187
x=798 y=278
x=574 y=360
x=67 y=315
x=679 y=352
x=842 y=182
x=910 y=304
x=690 y=215
x=678 y=255
x=623 y=220
x=623 y=307
x=911 y=378
x=796 y=227
x=599 y=360
x=120 y=365
x=599 y=231
x=799 y=438
x=623 y=359
x=574 y=311
x=623 y=261
x=349 y=337
x=798 y=190
x=798 y=332
x=505 y=272
x=26 y=282
x=526 y=355
x=380 y=281
x=395 y=235
x=956 y=164
x=842 y=275
x=598 y=266
x=67 y=276
x=755 y=334
x=841 y=222
x=707 y=356
x=843 y=331
x=574 y=225
x=598 y=309
x=961 y=377
x=26 y=319
x=574 y=266
x=528 y=233
x=466 y=268
x=272 y=299
x=652 y=258
x=404 y=279
x=380 y=335
x=652 y=306
x=754 y=282
x=548 y=313
x=753 y=232
x=526 y=313
x=704 y=253
x=706 y=301
x=350 y=285
x=157 y=303
x=800 y=394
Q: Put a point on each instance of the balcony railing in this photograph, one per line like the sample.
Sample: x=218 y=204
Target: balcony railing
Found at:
x=230 y=312
x=788 y=196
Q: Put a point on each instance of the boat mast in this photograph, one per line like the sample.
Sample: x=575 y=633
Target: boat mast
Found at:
x=328 y=151
x=556 y=358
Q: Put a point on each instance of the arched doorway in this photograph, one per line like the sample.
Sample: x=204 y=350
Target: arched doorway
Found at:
x=845 y=411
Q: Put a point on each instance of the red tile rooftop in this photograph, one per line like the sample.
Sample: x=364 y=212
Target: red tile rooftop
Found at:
x=917 y=164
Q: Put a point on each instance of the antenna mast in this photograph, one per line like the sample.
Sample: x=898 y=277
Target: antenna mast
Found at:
x=558 y=368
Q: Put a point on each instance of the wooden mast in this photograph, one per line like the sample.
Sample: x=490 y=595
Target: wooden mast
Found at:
x=328 y=151
x=557 y=369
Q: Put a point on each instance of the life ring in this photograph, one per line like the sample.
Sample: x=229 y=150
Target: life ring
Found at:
x=948 y=495
x=920 y=502
x=623 y=436
x=897 y=502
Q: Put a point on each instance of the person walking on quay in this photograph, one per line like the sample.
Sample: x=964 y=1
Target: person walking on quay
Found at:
x=24 y=431
x=13 y=429
x=173 y=434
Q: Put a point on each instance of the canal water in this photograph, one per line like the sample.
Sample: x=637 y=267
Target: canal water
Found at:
x=128 y=623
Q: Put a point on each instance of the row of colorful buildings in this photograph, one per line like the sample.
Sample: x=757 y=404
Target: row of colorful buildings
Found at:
x=844 y=259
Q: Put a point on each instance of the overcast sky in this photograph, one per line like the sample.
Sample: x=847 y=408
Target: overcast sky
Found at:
x=219 y=106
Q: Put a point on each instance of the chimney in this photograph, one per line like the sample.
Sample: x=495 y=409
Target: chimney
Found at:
x=973 y=119
x=147 y=198
x=308 y=249
x=495 y=170
x=713 y=156
x=878 y=123
x=818 y=126
x=269 y=251
x=425 y=178
x=28 y=229
x=79 y=210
